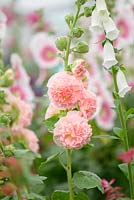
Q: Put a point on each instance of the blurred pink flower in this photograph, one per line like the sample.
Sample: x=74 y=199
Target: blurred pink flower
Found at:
x=44 y=50
x=127 y=156
x=112 y=193
x=87 y=104
x=64 y=90
x=51 y=110
x=33 y=18
x=72 y=131
x=28 y=136
x=79 y=68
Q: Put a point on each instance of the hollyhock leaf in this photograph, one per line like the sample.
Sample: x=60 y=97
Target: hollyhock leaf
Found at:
x=81 y=196
x=49 y=159
x=129 y=114
x=34 y=196
x=119 y=132
x=58 y=195
x=37 y=180
x=87 y=180
x=50 y=122
x=124 y=168
x=106 y=137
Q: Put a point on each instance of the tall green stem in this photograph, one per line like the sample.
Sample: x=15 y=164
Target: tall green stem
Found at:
x=126 y=143
x=69 y=174
x=70 y=38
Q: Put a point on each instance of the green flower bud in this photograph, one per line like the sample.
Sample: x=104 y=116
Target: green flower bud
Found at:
x=61 y=43
x=77 y=32
x=5 y=119
x=82 y=47
x=9 y=150
x=81 y=2
x=69 y=19
x=2 y=97
x=7 y=79
x=87 y=11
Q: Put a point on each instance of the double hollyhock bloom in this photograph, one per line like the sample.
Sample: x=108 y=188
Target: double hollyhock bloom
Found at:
x=22 y=118
x=45 y=54
x=67 y=92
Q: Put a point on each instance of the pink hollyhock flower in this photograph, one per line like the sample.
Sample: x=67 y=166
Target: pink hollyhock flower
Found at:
x=3 y=26
x=33 y=17
x=127 y=156
x=45 y=54
x=28 y=136
x=79 y=68
x=51 y=110
x=64 y=90
x=20 y=73
x=72 y=131
x=88 y=104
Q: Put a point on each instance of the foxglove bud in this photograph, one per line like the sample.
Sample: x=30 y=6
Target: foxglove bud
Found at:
x=96 y=24
x=123 y=86
x=110 y=28
x=61 y=43
x=109 y=55
x=82 y=47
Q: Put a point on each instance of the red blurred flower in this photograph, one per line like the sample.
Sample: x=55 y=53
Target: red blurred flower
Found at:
x=127 y=156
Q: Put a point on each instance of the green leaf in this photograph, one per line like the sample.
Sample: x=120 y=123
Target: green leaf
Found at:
x=49 y=159
x=129 y=114
x=105 y=137
x=119 y=132
x=60 y=195
x=33 y=196
x=37 y=180
x=124 y=168
x=87 y=180
x=50 y=122
x=81 y=196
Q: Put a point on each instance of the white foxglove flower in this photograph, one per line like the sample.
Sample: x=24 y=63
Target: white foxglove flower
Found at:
x=96 y=24
x=110 y=28
x=109 y=55
x=3 y=20
x=123 y=86
x=102 y=8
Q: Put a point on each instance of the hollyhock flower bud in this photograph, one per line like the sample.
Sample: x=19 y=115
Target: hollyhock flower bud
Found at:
x=102 y=8
x=127 y=156
x=79 y=68
x=109 y=55
x=51 y=110
x=77 y=32
x=69 y=19
x=72 y=131
x=96 y=24
x=7 y=79
x=61 y=43
x=64 y=90
x=123 y=86
x=88 y=11
x=110 y=28
x=82 y=47
x=87 y=104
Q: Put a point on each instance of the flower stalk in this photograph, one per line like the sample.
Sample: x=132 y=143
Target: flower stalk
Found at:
x=69 y=174
x=124 y=127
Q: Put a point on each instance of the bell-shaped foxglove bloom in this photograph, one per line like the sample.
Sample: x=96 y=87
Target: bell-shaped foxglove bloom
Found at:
x=3 y=20
x=109 y=55
x=110 y=28
x=123 y=86
x=102 y=8
x=96 y=24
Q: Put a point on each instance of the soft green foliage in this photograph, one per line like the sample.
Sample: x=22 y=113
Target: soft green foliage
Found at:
x=87 y=180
